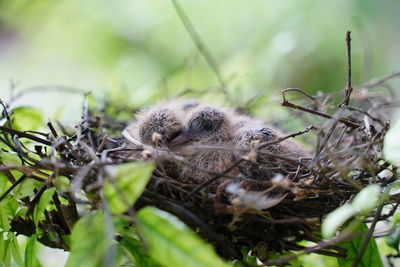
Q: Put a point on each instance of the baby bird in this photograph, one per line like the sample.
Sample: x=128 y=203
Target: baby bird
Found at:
x=253 y=132
x=206 y=125
x=159 y=125
x=183 y=125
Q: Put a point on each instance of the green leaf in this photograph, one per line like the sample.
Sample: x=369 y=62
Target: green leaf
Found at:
x=393 y=239
x=10 y=205
x=371 y=255
x=30 y=252
x=10 y=158
x=172 y=243
x=335 y=219
x=89 y=241
x=130 y=179
x=7 y=253
x=62 y=183
x=25 y=188
x=4 y=222
x=312 y=260
x=2 y=247
x=367 y=199
x=27 y=118
x=391 y=146
x=364 y=202
x=16 y=251
x=41 y=205
x=135 y=248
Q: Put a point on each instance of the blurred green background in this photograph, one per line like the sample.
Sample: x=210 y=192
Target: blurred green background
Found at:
x=138 y=51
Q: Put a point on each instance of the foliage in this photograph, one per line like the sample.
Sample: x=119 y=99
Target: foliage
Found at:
x=131 y=180
x=363 y=203
x=171 y=243
x=371 y=255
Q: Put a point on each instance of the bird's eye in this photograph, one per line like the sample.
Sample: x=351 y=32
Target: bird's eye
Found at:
x=266 y=131
x=200 y=125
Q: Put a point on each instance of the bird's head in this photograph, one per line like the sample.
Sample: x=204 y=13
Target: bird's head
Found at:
x=159 y=127
x=206 y=124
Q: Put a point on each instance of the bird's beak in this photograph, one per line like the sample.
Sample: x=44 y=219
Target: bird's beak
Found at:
x=181 y=139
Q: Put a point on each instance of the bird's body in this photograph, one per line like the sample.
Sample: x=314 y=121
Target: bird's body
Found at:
x=272 y=158
x=186 y=124
x=211 y=126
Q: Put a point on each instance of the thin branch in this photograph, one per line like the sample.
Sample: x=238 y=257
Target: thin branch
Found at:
x=26 y=135
x=381 y=81
x=321 y=245
x=348 y=89
x=263 y=145
x=367 y=237
x=286 y=103
x=48 y=88
x=35 y=199
x=20 y=180
x=53 y=131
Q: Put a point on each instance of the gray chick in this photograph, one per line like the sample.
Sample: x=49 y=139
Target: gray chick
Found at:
x=205 y=125
x=159 y=125
x=251 y=133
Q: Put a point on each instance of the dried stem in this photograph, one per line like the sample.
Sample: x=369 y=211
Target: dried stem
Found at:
x=348 y=89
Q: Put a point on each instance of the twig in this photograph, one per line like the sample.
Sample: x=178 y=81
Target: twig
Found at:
x=26 y=135
x=20 y=180
x=102 y=144
x=321 y=245
x=5 y=111
x=366 y=114
x=298 y=90
x=286 y=103
x=60 y=213
x=53 y=131
x=380 y=81
x=48 y=88
x=35 y=199
x=262 y=145
x=348 y=89
x=367 y=237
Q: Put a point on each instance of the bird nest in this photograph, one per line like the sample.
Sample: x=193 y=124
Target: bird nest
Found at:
x=228 y=208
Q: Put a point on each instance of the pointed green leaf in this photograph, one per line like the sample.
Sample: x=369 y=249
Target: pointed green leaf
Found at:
x=25 y=188
x=367 y=199
x=172 y=243
x=130 y=180
x=371 y=255
x=364 y=202
x=4 y=222
x=335 y=219
x=89 y=241
x=16 y=251
x=30 y=252
x=2 y=247
x=7 y=253
x=135 y=248
x=41 y=205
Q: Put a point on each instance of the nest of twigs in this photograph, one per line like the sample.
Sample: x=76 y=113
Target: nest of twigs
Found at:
x=346 y=156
